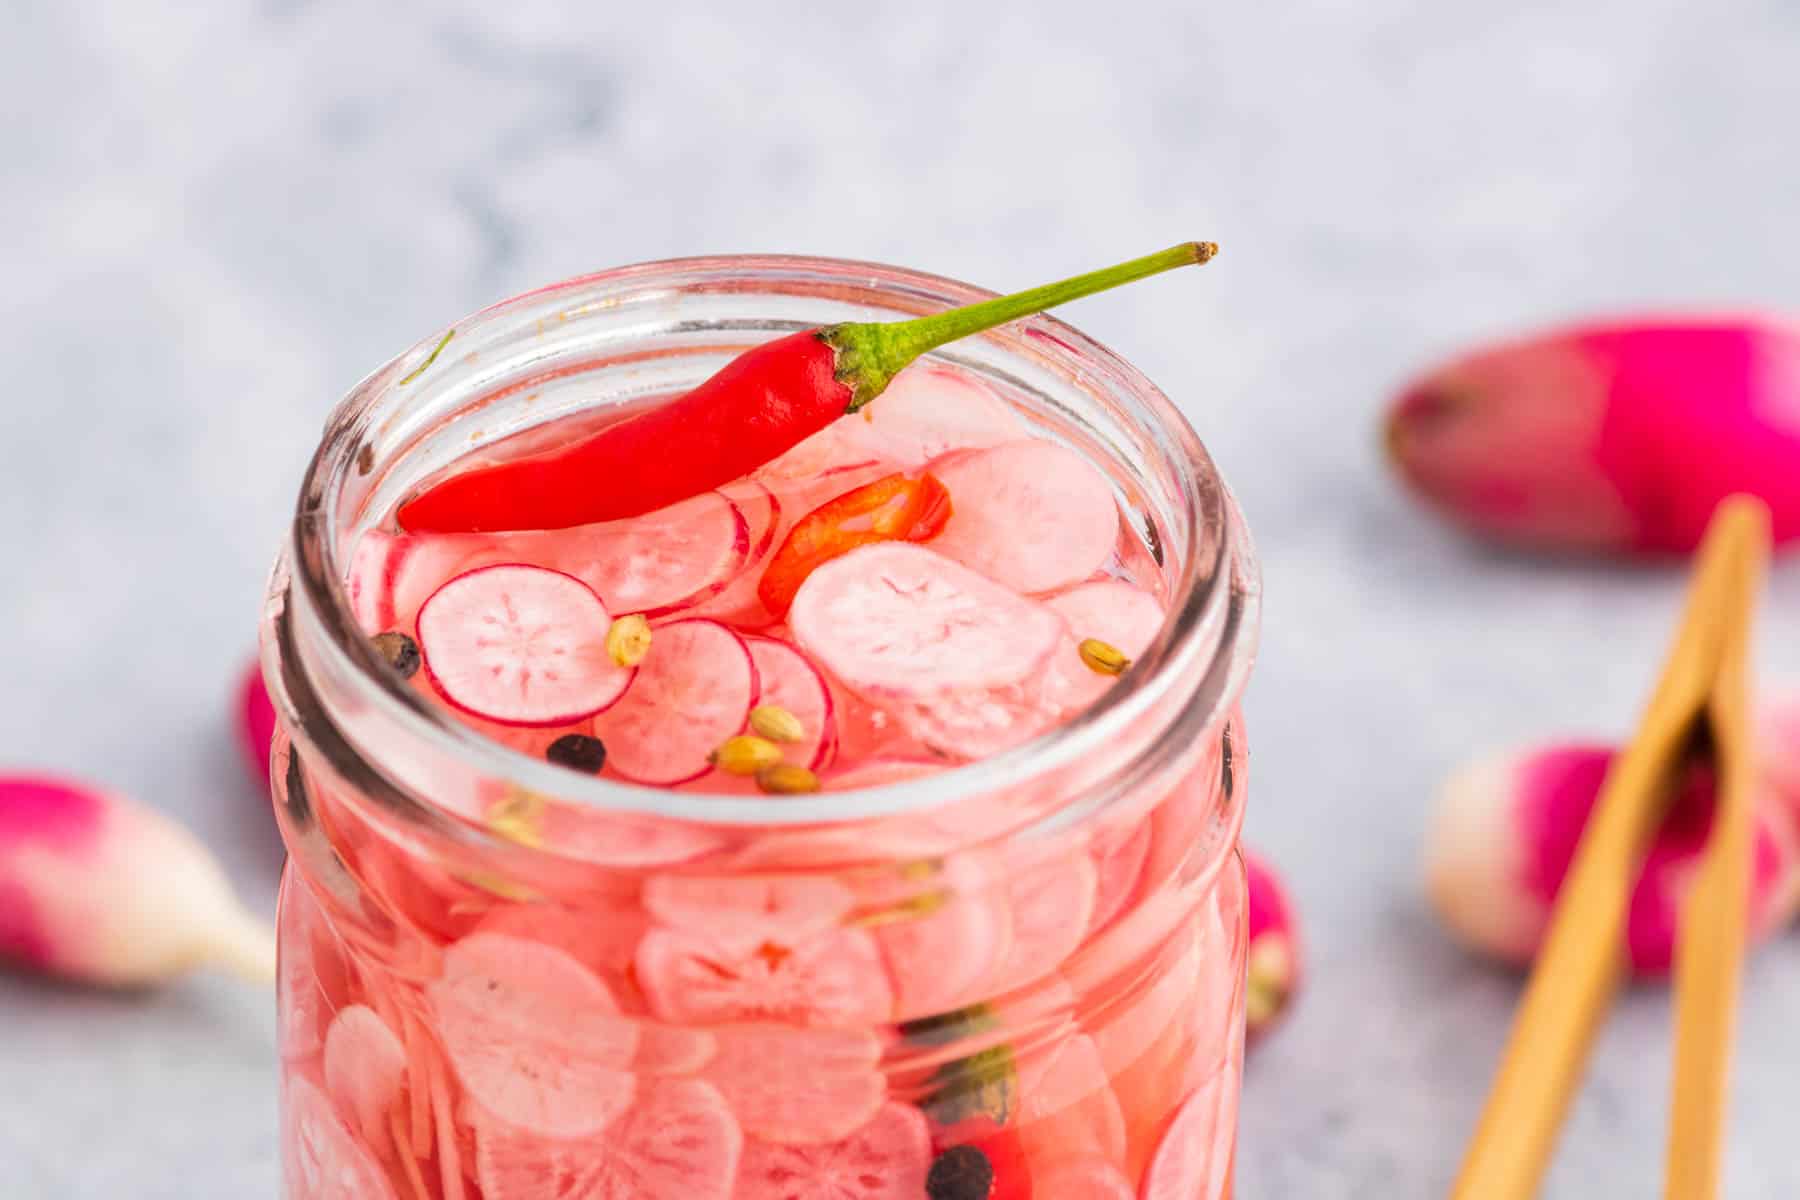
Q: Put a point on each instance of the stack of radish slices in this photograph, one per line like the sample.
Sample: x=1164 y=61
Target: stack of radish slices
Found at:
x=896 y=657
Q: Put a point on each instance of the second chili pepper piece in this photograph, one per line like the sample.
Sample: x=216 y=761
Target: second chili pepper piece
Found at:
x=892 y=508
x=758 y=406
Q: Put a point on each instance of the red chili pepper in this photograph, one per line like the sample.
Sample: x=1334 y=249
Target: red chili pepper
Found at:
x=758 y=406
x=892 y=508
x=1004 y=1151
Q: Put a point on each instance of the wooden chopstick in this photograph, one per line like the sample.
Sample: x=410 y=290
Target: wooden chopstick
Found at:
x=1709 y=947
x=1580 y=965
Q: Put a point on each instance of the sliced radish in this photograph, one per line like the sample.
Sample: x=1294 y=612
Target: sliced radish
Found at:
x=1066 y=1106
x=1119 y=855
x=798 y=1087
x=679 y=1143
x=900 y=620
x=1113 y=611
x=534 y=1036
x=789 y=680
x=256 y=724
x=602 y=935
x=673 y=1049
x=737 y=603
x=938 y=957
x=1031 y=515
x=323 y=1159
x=928 y=411
x=1194 y=1155
x=654 y=564
x=520 y=645
x=692 y=691
x=745 y=913
x=836 y=979
x=419 y=564
x=976 y=724
x=1050 y=905
x=886 y=1159
x=365 y=1068
x=366 y=580
x=1090 y=1179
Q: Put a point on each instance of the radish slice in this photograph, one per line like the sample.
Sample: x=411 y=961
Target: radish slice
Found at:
x=692 y=691
x=1066 y=1106
x=680 y=1143
x=657 y=563
x=927 y=412
x=1195 y=1152
x=366 y=580
x=256 y=724
x=799 y=1087
x=1031 y=515
x=1051 y=905
x=535 y=1037
x=831 y=980
x=938 y=957
x=323 y=1160
x=673 y=1049
x=900 y=620
x=789 y=680
x=365 y=1068
x=1115 y=612
x=887 y=1159
x=746 y=912
x=737 y=602
x=1119 y=856
x=520 y=645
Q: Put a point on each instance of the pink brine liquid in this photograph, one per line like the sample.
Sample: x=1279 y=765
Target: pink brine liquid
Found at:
x=911 y=1007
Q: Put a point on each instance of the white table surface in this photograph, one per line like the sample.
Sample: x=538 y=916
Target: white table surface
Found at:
x=215 y=217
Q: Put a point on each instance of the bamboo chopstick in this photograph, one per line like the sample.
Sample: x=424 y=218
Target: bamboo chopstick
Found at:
x=1580 y=966
x=1709 y=947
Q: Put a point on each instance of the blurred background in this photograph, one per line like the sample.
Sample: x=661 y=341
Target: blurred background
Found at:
x=216 y=217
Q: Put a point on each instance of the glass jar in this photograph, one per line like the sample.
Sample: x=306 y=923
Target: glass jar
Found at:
x=1031 y=966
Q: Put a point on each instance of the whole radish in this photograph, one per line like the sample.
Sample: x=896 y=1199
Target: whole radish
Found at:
x=255 y=721
x=98 y=888
x=1507 y=831
x=1274 y=953
x=1619 y=438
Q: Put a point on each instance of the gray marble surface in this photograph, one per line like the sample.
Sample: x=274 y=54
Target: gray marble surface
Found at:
x=215 y=217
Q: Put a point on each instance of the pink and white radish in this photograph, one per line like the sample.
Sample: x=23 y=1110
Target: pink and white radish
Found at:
x=885 y=1159
x=520 y=645
x=826 y=1087
x=679 y=1142
x=98 y=888
x=255 y=722
x=1122 y=615
x=1619 y=437
x=654 y=564
x=927 y=412
x=1031 y=515
x=535 y=1037
x=754 y=967
x=1508 y=827
x=933 y=641
x=1274 y=949
x=323 y=1159
x=787 y=680
x=693 y=690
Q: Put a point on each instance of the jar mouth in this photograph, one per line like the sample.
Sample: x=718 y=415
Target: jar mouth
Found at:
x=1206 y=643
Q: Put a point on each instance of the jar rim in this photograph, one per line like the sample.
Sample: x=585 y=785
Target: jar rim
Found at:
x=1210 y=631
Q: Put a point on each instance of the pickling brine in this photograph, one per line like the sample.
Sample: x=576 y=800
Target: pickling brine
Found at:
x=864 y=829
